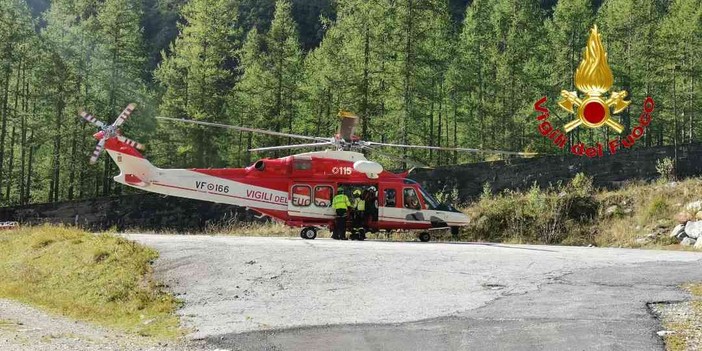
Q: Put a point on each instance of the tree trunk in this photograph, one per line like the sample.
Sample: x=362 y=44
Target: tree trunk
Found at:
x=10 y=162
x=3 y=124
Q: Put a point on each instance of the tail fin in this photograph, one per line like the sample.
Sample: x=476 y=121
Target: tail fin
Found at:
x=135 y=170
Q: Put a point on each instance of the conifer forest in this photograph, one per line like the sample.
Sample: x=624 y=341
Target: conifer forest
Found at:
x=450 y=73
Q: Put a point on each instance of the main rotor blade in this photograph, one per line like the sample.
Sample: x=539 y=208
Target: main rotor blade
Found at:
x=90 y=118
x=130 y=142
x=286 y=147
x=97 y=151
x=124 y=115
x=396 y=158
x=441 y=148
x=244 y=129
x=348 y=125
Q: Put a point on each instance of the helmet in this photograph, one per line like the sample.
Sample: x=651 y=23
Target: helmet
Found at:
x=357 y=192
x=372 y=188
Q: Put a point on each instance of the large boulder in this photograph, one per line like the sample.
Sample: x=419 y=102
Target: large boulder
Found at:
x=693 y=229
x=688 y=242
x=680 y=228
x=694 y=206
x=698 y=244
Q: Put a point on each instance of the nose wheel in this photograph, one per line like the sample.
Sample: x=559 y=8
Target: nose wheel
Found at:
x=424 y=237
x=308 y=233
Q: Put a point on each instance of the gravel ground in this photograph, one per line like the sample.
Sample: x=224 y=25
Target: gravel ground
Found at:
x=23 y=328
x=674 y=315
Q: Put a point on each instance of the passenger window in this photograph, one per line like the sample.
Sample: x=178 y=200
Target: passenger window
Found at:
x=411 y=199
x=390 y=198
x=322 y=196
x=301 y=195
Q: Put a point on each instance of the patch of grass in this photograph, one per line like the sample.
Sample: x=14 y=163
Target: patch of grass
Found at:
x=98 y=278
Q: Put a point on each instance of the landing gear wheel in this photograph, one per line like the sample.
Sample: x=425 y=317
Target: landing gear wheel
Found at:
x=308 y=233
x=424 y=237
x=361 y=235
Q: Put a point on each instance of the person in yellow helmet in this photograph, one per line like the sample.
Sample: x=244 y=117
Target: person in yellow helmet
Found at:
x=359 y=207
x=341 y=205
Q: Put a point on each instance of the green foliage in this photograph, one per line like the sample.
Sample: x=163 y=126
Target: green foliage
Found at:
x=98 y=278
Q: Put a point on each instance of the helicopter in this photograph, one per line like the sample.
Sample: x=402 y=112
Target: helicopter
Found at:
x=297 y=189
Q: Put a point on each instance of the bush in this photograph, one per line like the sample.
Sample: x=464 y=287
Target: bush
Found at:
x=548 y=216
x=666 y=169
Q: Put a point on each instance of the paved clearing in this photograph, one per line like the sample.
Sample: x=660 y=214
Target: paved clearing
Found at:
x=289 y=293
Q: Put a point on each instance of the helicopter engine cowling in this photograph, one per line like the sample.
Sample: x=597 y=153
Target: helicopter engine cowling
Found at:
x=372 y=169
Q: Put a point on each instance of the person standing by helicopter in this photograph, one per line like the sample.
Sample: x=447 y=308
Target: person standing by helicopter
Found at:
x=359 y=209
x=341 y=205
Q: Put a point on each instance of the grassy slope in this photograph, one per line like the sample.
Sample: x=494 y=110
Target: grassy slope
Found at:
x=577 y=214
x=98 y=278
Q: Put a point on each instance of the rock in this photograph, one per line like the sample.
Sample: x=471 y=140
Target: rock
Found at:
x=611 y=210
x=681 y=236
x=680 y=228
x=665 y=332
x=694 y=206
x=698 y=215
x=693 y=229
x=683 y=217
x=698 y=244
x=687 y=242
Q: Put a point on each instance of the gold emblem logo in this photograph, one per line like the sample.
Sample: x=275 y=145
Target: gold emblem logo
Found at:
x=594 y=79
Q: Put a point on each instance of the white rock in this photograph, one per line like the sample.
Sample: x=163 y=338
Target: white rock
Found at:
x=665 y=332
x=693 y=229
x=698 y=244
x=680 y=228
x=694 y=206
x=688 y=242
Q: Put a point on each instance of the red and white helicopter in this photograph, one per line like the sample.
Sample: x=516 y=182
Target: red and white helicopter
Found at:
x=295 y=189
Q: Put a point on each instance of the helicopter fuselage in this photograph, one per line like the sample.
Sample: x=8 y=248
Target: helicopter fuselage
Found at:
x=296 y=190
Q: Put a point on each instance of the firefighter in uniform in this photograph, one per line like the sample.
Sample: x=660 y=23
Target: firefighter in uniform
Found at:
x=359 y=207
x=341 y=205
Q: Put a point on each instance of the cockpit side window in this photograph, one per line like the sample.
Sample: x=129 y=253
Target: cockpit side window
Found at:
x=411 y=200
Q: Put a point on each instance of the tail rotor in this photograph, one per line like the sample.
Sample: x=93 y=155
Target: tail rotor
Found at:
x=110 y=131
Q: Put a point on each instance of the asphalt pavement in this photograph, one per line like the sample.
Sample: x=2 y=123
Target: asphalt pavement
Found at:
x=247 y=293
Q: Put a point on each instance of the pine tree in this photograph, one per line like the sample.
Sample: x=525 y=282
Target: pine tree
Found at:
x=197 y=77
x=678 y=48
x=285 y=65
x=628 y=30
